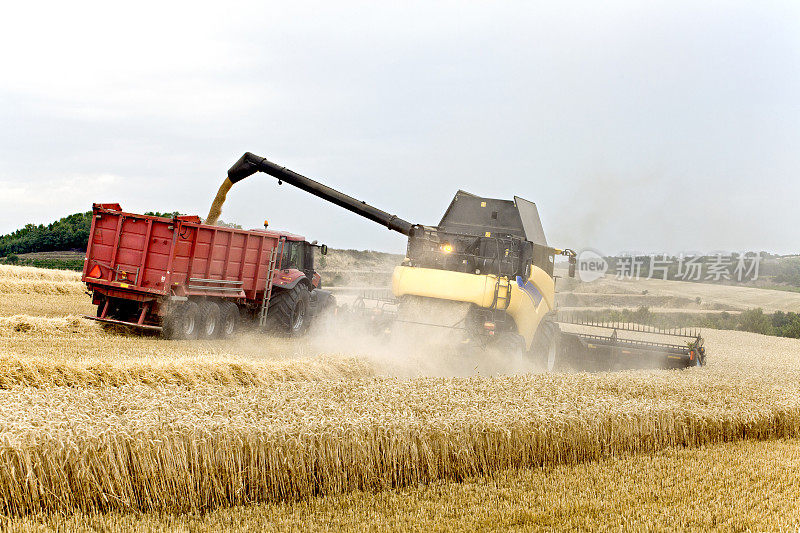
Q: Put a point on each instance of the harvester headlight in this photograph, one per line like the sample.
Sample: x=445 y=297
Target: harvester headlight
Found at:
x=446 y=248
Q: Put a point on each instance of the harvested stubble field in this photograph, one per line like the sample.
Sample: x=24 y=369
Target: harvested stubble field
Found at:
x=41 y=292
x=711 y=294
x=94 y=421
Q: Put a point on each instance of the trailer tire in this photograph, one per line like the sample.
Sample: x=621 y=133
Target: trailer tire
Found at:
x=182 y=321
x=229 y=319
x=209 y=320
x=289 y=310
x=546 y=345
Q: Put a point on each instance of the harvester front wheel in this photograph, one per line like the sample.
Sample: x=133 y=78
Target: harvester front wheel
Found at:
x=509 y=343
x=546 y=343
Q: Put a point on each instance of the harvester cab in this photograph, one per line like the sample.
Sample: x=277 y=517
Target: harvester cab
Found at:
x=486 y=271
x=483 y=235
x=490 y=260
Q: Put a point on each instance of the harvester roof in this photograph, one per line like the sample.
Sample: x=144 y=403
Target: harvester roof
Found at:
x=475 y=215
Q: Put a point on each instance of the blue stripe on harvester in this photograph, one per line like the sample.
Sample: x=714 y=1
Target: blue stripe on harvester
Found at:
x=530 y=290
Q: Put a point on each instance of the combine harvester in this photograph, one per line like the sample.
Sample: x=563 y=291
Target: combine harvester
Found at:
x=486 y=271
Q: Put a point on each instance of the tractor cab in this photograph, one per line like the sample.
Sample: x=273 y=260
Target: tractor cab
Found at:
x=298 y=254
x=297 y=294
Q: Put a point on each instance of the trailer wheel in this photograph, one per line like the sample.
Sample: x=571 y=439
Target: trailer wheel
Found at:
x=209 y=320
x=289 y=310
x=182 y=321
x=545 y=346
x=229 y=318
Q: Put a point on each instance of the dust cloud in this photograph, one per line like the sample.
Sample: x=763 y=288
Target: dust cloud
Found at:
x=422 y=342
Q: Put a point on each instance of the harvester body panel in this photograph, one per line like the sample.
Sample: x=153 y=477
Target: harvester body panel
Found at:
x=470 y=214
x=526 y=301
x=443 y=284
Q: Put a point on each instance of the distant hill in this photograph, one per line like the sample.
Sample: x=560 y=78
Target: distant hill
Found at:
x=363 y=268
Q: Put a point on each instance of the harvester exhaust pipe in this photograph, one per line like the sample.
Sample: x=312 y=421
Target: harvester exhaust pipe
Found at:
x=249 y=164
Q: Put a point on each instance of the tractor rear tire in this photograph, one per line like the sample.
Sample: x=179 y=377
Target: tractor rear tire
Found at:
x=182 y=321
x=209 y=320
x=290 y=310
x=229 y=319
x=546 y=345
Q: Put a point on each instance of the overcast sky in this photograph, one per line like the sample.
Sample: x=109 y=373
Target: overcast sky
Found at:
x=634 y=126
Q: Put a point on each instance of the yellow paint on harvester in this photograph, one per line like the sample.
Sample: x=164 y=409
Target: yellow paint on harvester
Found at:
x=479 y=290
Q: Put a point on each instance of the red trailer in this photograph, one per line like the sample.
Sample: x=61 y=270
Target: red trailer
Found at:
x=188 y=279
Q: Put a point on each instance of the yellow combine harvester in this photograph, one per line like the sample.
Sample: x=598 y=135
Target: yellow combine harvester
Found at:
x=486 y=270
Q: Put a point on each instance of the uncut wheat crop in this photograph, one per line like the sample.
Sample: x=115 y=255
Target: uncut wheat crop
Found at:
x=201 y=446
x=741 y=486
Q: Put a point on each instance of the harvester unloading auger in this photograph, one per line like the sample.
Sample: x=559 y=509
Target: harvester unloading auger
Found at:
x=488 y=268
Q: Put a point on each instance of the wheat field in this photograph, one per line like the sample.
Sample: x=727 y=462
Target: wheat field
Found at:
x=95 y=420
x=747 y=485
x=42 y=292
x=725 y=296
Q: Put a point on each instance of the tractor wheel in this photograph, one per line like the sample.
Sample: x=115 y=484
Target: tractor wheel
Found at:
x=209 y=320
x=546 y=343
x=182 y=321
x=229 y=319
x=289 y=310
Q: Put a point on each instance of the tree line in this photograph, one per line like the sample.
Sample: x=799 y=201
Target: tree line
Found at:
x=68 y=233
